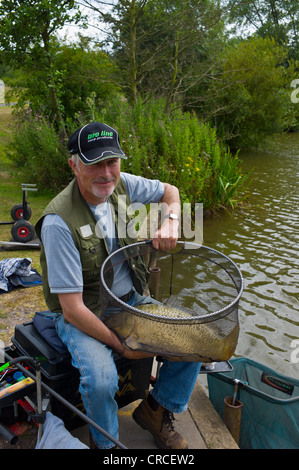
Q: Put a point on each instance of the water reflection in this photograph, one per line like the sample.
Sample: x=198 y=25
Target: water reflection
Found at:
x=262 y=239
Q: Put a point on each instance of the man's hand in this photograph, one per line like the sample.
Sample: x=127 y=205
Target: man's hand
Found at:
x=82 y=318
x=167 y=236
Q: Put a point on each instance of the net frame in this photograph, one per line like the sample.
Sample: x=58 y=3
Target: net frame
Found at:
x=188 y=248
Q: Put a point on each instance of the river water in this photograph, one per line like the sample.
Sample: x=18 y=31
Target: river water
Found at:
x=262 y=239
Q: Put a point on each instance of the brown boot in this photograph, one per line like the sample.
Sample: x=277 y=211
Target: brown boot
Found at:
x=155 y=418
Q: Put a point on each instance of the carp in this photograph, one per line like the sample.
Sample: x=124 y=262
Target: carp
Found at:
x=173 y=333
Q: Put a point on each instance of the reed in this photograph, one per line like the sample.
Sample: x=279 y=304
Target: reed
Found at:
x=176 y=147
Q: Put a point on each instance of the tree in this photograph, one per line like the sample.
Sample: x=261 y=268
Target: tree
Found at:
x=131 y=10
x=250 y=96
x=191 y=30
x=27 y=40
x=159 y=45
x=268 y=18
x=89 y=77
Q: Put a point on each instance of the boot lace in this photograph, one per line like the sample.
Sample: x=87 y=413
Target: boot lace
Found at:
x=168 y=419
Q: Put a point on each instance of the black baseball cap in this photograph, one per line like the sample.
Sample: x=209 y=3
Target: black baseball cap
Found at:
x=95 y=142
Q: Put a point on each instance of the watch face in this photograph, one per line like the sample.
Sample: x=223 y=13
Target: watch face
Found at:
x=173 y=216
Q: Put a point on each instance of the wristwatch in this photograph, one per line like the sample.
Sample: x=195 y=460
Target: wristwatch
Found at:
x=171 y=216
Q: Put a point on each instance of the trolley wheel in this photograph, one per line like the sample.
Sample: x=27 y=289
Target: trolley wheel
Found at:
x=17 y=212
x=22 y=231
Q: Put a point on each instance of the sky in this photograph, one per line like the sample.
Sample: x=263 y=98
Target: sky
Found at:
x=70 y=32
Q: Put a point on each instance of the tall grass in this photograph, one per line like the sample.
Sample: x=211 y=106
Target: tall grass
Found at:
x=174 y=147
x=177 y=148
x=39 y=153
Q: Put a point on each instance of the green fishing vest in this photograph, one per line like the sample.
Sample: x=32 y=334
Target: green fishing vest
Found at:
x=72 y=207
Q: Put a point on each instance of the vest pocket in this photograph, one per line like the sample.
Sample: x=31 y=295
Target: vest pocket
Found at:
x=92 y=252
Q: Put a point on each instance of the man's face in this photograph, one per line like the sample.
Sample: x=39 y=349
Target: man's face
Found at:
x=97 y=182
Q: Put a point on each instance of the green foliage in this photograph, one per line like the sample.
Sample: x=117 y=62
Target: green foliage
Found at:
x=163 y=48
x=26 y=26
x=172 y=49
x=252 y=92
x=179 y=149
x=176 y=148
x=278 y=19
x=27 y=41
x=39 y=153
x=79 y=73
x=85 y=71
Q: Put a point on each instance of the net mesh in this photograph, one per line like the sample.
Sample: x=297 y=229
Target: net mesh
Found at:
x=191 y=312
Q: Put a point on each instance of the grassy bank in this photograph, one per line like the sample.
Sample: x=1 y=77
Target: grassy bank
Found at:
x=20 y=304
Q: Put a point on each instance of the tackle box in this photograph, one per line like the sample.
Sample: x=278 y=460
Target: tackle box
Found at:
x=59 y=374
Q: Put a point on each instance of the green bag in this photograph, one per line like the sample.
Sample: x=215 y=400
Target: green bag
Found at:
x=270 y=413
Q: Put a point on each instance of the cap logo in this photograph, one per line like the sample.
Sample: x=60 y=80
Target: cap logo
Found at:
x=92 y=136
x=97 y=134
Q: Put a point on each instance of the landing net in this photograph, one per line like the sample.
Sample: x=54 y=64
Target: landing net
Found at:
x=194 y=293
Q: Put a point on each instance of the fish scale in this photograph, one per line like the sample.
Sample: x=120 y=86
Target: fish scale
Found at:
x=177 y=341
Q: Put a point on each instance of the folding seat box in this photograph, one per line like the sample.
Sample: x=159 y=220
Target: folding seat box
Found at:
x=59 y=374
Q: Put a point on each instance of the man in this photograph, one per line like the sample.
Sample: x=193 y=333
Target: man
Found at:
x=71 y=257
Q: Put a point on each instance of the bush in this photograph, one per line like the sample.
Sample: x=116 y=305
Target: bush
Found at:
x=39 y=153
x=173 y=147
x=177 y=148
x=252 y=93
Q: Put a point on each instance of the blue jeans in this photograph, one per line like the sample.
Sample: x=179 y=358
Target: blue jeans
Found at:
x=99 y=379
